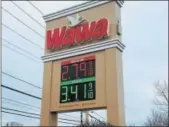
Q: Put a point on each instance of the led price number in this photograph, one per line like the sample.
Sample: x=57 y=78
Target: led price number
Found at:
x=78 y=92
x=78 y=81
x=78 y=70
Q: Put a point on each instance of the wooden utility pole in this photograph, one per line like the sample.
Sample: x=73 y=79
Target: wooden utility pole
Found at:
x=87 y=116
x=81 y=118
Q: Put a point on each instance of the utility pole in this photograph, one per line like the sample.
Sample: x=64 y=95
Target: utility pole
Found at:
x=81 y=117
x=87 y=116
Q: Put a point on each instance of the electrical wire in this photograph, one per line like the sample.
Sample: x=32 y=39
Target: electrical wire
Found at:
x=69 y=120
x=20 y=114
x=36 y=8
x=33 y=97
x=94 y=117
x=15 y=90
x=70 y=116
x=22 y=36
x=21 y=49
x=36 y=107
x=20 y=103
x=10 y=109
x=33 y=117
x=21 y=80
x=27 y=14
x=20 y=53
x=36 y=114
x=31 y=113
x=68 y=123
x=23 y=23
x=99 y=115
x=31 y=106
x=20 y=111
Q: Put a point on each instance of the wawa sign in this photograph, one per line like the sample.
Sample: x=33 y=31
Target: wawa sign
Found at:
x=78 y=31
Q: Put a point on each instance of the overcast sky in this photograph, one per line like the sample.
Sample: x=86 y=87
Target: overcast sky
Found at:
x=145 y=58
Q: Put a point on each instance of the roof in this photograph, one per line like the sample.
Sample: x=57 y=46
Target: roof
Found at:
x=77 y=8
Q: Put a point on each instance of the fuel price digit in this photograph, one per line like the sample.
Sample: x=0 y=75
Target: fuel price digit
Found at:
x=64 y=93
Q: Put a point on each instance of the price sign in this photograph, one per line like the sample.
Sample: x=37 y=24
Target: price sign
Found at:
x=77 y=80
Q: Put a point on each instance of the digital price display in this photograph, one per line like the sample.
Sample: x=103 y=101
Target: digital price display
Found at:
x=78 y=80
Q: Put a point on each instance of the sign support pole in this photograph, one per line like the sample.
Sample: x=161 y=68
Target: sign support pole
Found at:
x=114 y=87
x=81 y=117
x=47 y=117
x=87 y=116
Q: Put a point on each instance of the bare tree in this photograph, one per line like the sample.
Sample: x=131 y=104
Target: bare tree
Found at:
x=159 y=117
x=96 y=123
x=161 y=97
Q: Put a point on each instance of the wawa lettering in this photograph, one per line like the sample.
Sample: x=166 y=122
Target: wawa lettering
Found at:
x=83 y=32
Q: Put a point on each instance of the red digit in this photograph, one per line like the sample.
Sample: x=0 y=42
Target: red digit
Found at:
x=64 y=73
x=83 y=67
x=76 y=69
x=90 y=64
x=90 y=71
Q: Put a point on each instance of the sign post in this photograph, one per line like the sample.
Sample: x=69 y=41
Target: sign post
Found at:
x=83 y=62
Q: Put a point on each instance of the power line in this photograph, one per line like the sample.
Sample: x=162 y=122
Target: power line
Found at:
x=69 y=120
x=22 y=36
x=69 y=116
x=68 y=123
x=30 y=105
x=18 y=105
x=27 y=108
x=20 y=102
x=23 y=23
x=20 y=80
x=33 y=97
x=15 y=90
x=34 y=117
x=21 y=49
x=27 y=14
x=94 y=117
x=20 y=111
x=99 y=116
x=30 y=84
x=35 y=107
x=20 y=115
x=35 y=114
x=36 y=8
x=38 y=108
x=20 y=53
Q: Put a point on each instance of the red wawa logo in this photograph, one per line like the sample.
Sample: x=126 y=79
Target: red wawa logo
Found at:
x=76 y=34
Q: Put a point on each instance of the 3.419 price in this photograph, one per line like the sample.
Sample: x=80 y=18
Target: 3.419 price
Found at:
x=77 y=92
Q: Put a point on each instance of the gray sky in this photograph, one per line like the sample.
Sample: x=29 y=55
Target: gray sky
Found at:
x=145 y=59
